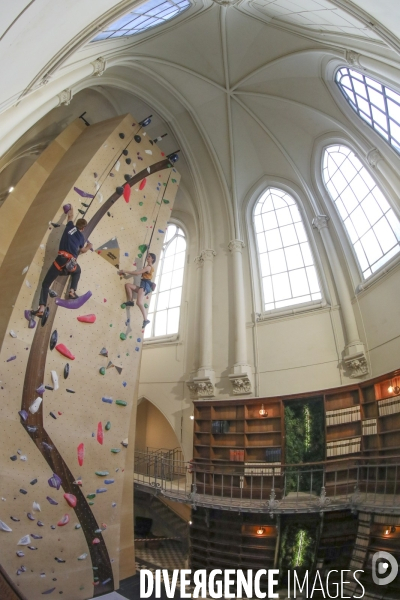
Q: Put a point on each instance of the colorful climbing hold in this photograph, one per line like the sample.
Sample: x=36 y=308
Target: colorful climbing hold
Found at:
x=102 y=371
x=87 y=318
x=34 y=407
x=64 y=351
x=81 y=453
x=127 y=192
x=66 y=371
x=101 y=490
x=108 y=426
x=63 y=521
x=90 y=496
x=142 y=184
x=82 y=193
x=100 y=434
x=53 y=339
x=71 y=500
x=143 y=219
x=101 y=473
x=107 y=400
x=74 y=302
x=115 y=450
x=55 y=481
x=142 y=247
x=121 y=402
x=122 y=336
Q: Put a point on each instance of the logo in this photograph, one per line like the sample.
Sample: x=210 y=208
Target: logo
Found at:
x=72 y=231
x=384 y=563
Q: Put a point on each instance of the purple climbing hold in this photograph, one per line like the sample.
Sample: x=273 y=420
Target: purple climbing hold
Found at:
x=137 y=349
x=55 y=481
x=67 y=208
x=74 y=302
x=14 y=457
x=109 y=481
x=23 y=491
x=53 y=415
x=31 y=430
x=106 y=581
x=101 y=490
x=40 y=524
x=47 y=446
x=53 y=339
x=15 y=519
x=11 y=358
x=32 y=547
x=31 y=517
x=20 y=553
x=34 y=481
x=82 y=193
x=45 y=316
x=41 y=389
x=107 y=400
x=36 y=537
x=50 y=590
x=54 y=502
x=23 y=414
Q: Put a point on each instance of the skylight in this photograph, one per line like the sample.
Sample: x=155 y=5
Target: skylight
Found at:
x=147 y=15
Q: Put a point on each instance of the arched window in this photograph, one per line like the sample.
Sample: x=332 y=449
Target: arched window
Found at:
x=372 y=226
x=142 y=17
x=375 y=103
x=286 y=262
x=164 y=309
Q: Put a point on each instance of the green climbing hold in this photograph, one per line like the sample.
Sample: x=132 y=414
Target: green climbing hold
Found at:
x=146 y=305
x=121 y=402
x=159 y=203
x=91 y=496
x=108 y=426
x=166 y=201
x=123 y=305
x=102 y=371
x=164 y=184
x=115 y=450
x=102 y=473
x=142 y=247
x=122 y=336
x=173 y=180
x=140 y=203
x=140 y=255
x=143 y=219
x=91 y=503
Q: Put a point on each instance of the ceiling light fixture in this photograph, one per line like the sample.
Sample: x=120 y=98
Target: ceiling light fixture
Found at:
x=10 y=189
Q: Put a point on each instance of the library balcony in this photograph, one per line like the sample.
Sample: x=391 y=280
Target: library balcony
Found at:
x=358 y=483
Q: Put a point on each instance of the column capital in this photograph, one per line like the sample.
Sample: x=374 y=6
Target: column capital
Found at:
x=236 y=245
x=353 y=58
x=99 y=66
x=65 y=97
x=208 y=254
x=373 y=157
x=320 y=221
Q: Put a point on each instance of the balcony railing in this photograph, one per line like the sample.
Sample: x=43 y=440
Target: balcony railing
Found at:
x=358 y=483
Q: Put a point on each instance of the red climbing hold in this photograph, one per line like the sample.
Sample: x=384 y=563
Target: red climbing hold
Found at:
x=127 y=192
x=81 y=454
x=100 y=434
x=64 y=351
x=71 y=499
x=63 y=521
x=142 y=184
x=87 y=318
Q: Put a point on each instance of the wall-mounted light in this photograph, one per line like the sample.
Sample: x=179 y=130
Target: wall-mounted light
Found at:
x=192 y=417
x=190 y=522
x=262 y=412
x=10 y=189
x=393 y=388
x=390 y=388
x=260 y=530
x=387 y=531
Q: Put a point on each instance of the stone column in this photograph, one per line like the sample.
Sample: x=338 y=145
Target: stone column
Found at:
x=354 y=356
x=241 y=378
x=203 y=384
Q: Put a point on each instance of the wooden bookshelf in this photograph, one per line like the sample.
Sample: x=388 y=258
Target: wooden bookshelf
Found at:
x=220 y=539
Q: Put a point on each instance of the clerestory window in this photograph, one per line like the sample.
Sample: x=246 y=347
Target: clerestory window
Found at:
x=142 y=17
x=286 y=262
x=165 y=303
x=370 y=222
x=376 y=104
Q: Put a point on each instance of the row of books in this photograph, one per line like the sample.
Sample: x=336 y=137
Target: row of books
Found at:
x=273 y=455
x=236 y=455
x=265 y=469
x=389 y=406
x=343 y=415
x=369 y=427
x=219 y=426
x=340 y=447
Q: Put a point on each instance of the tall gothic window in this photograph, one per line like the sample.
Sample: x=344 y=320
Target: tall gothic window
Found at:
x=286 y=262
x=142 y=17
x=165 y=303
x=375 y=103
x=371 y=224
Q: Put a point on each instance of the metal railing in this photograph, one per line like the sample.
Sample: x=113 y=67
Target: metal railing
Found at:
x=356 y=483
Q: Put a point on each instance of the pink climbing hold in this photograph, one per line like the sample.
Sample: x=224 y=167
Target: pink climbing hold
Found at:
x=64 y=351
x=96 y=541
x=100 y=434
x=81 y=454
x=87 y=318
x=63 y=521
x=127 y=192
x=142 y=184
x=71 y=499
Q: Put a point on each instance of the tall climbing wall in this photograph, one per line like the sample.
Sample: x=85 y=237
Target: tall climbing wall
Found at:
x=68 y=387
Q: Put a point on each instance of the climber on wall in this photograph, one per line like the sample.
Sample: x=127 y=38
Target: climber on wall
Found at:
x=145 y=288
x=72 y=244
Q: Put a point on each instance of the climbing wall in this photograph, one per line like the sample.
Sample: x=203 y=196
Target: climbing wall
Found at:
x=63 y=465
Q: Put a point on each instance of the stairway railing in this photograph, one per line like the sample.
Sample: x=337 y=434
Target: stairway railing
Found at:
x=355 y=483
